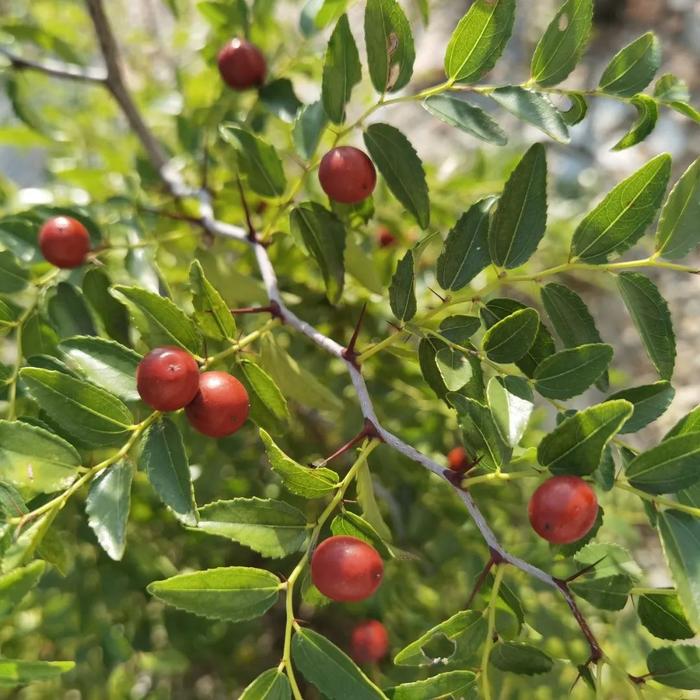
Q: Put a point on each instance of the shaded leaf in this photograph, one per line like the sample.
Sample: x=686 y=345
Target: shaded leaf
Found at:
x=672 y=465
x=211 y=312
x=510 y=338
x=518 y=657
x=662 y=614
x=650 y=402
x=647 y=115
x=570 y=372
x=473 y=120
x=17 y=583
x=113 y=315
x=676 y=666
x=402 y=293
x=269 y=685
x=13 y=277
x=533 y=108
x=308 y=129
x=451 y=683
x=341 y=71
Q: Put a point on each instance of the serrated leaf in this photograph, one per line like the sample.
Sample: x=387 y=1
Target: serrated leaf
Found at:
x=107 y=507
x=341 y=71
x=212 y=313
x=459 y=113
x=479 y=39
x=619 y=221
x=678 y=233
x=672 y=465
x=232 y=593
x=329 y=669
x=650 y=402
x=38 y=337
x=570 y=372
x=605 y=593
x=17 y=583
x=308 y=129
x=401 y=167
x=113 y=315
x=271 y=528
x=451 y=683
x=676 y=666
x=465 y=252
x=533 y=108
x=576 y=445
x=454 y=367
x=520 y=219
x=269 y=685
x=650 y=314
x=563 y=43
x=88 y=414
x=509 y=339
x=633 y=67
x=521 y=658
x=300 y=480
x=268 y=407
x=68 y=312
x=348 y=523
x=511 y=403
x=13 y=277
x=324 y=237
x=14 y=672
x=164 y=459
x=647 y=116
x=578 y=107
x=662 y=614
x=165 y=323
x=402 y=292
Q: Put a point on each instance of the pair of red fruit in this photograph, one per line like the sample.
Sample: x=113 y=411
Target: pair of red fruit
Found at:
x=216 y=404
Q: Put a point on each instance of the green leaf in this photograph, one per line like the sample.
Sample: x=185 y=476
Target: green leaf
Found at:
x=300 y=480
x=459 y=329
x=670 y=88
x=38 y=337
x=68 y=312
x=619 y=221
x=690 y=423
x=632 y=68
x=647 y=116
x=271 y=528
x=318 y=14
x=258 y=160
x=479 y=39
x=87 y=413
x=576 y=445
x=521 y=658
x=401 y=167
x=17 y=583
x=112 y=314
x=13 y=278
x=578 y=107
x=533 y=108
x=35 y=460
x=402 y=293
x=341 y=71
x=511 y=403
x=650 y=401
x=11 y=502
x=454 y=367
x=465 y=252
x=323 y=235
x=520 y=219
x=367 y=501
x=662 y=614
x=452 y=683
x=25 y=544
x=14 y=673
x=678 y=233
x=164 y=459
x=279 y=98
x=459 y=113
x=676 y=666
x=107 y=507
x=328 y=668
x=232 y=593
x=211 y=312
x=672 y=465
x=510 y=338
x=605 y=593
x=563 y=43
x=466 y=629
x=164 y=322
x=269 y=685
x=103 y=362
x=651 y=316
x=268 y=407
x=309 y=126
x=570 y=372
x=390 y=51
x=349 y=523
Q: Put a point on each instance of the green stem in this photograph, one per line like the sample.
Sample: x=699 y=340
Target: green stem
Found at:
x=242 y=343
x=653 y=591
x=498 y=476
x=488 y=646
x=659 y=500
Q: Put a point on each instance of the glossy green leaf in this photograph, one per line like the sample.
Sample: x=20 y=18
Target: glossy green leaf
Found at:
x=269 y=685
x=328 y=668
x=268 y=407
x=563 y=43
x=15 y=672
x=533 y=108
x=651 y=316
x=451 y=683
x=401 y=167
x=570 y=372
x=578 y=107
x=650 y=402
x=227 y=593
x=676 y=666
x=402 y=292
x=211 y=312
x=459 y=113
x=271 y=528
x=308 y=129
x=113 y=315
x=454 y=367
x=647 y=116
x=662 y=614
x=17 y=583
x=672 y=465
x=511 y=403
x=619 y=221
x=605 y=593
x=521 y=658
x=633 y=67
x=479 y=39
x=520 y=219
x=510 y=338
x=13 y=277
x=341 y=71
x=459 y=329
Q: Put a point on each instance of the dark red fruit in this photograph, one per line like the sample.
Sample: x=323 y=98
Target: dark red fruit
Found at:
x=220 y=407
x=64 y=242
x=369 y=642
x=385 y=237
x=563 y=509
x=241 y=64
x=347 y=175
x=458 y=459
x=346 y=569
x=167 y=378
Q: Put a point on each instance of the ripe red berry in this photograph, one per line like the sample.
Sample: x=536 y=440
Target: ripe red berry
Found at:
x=385 y=237
x=346 y=569
x=241 y=64
x=347 y=175
x=167 y=379
x=220 y=407
x=64 y=242
x=369 y=642
x=458 y=459
x=563 y=509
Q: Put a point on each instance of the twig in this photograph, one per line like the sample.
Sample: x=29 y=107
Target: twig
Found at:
x=57 y=69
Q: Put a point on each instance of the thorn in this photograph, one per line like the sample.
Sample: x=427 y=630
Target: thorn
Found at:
x=254 y=310
x=585 y=570
x=350 y=354
x=439 y=296
x=346 y=447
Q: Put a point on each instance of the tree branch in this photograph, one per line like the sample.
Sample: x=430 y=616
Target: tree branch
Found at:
x=57 y=69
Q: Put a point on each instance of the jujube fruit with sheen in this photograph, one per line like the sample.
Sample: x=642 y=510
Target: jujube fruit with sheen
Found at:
x=369 y=642
x=167 y=379
x=347 y=175
x=241 y=64
x=346 y=569
x=64 y=242
x=220 y=406
x=563 y=509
